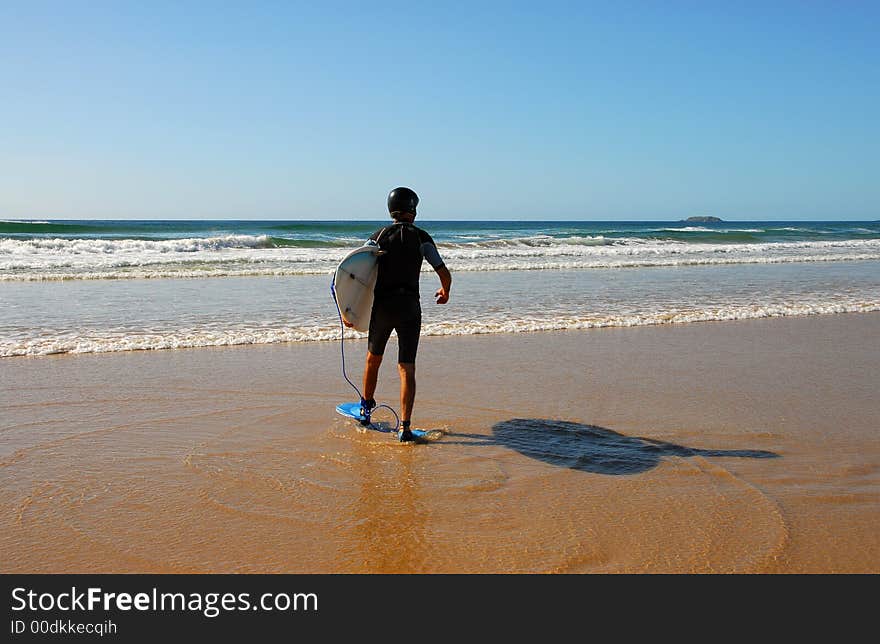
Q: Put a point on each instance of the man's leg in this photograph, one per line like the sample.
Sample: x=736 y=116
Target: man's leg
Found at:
x=371 y=374
x=408 y=344
x=407 y=389
x=381 y=325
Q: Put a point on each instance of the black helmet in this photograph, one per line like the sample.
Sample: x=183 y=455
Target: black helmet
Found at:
x=402 y=200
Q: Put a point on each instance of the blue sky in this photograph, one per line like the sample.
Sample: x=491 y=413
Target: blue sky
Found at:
x=613 y=110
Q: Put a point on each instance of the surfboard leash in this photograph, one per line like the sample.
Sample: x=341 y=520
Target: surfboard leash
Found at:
x=342 y=351
x=342 y=338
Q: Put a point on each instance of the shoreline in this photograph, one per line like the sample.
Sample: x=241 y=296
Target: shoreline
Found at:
x=740 y=446
x=438 y=330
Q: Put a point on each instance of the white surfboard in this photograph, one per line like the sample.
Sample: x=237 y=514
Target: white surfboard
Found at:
x=353 y=285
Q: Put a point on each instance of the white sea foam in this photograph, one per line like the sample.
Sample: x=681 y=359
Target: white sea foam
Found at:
x=240 y=255
x=125 y=246
x=212 y=337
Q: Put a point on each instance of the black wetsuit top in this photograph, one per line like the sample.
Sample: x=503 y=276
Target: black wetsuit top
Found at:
x=405 y=246
x=396 y=295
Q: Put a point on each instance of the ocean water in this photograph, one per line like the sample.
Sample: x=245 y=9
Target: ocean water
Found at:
x=97 y=286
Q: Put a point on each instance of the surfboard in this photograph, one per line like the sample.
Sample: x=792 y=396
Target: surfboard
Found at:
x=353 y=410
x=353 y=285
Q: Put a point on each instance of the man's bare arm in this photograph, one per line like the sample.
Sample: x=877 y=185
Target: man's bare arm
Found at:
x=445 y=276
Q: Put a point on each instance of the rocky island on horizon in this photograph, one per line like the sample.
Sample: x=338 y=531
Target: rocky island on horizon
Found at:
x=702 y=220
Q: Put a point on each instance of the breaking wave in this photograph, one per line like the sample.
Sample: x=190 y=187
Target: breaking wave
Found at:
x=242 y=255
x=108 y=342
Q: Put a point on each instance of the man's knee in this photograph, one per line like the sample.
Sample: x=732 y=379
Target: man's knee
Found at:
x=373 y=360
x=407 y=369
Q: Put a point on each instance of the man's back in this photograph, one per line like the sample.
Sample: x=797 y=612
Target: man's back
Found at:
x=405 y=245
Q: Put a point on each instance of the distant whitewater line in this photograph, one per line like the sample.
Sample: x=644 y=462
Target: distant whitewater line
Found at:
x=243 y=255
x=194 y=338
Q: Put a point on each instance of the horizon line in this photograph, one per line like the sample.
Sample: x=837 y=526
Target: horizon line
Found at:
x=37 y=220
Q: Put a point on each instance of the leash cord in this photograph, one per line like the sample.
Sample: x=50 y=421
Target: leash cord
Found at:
x=342 y=351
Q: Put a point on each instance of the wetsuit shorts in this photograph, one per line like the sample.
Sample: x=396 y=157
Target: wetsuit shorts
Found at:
x=401 y=313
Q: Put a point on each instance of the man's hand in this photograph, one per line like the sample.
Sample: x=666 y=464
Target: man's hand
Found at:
x=442 y=296
x=348 y=324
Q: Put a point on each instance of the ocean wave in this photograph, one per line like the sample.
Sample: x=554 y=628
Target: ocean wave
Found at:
x=282 y=264
x=54 y=246
x=539 y=241
x=703 y=229
x=161 y=273
x=128 y=246
x=240 y=255
x=196 y=338
x=42 y=227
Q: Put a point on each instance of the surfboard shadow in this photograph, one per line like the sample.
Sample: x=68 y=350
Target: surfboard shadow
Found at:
x=595 y=449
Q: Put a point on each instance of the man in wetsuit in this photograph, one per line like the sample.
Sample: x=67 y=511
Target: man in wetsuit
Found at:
x=396 y=300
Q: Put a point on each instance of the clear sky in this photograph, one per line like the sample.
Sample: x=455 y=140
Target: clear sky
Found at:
x=611 y=110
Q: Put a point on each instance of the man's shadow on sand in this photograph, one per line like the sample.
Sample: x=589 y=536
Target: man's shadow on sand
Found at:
x=592 y=449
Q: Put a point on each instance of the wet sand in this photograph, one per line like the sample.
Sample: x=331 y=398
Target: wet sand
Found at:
x=746 y=446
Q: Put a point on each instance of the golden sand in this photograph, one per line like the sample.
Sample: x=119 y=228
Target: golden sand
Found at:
x=719 y=447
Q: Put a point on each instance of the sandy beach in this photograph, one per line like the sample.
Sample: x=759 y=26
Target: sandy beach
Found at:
x=747 y=446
